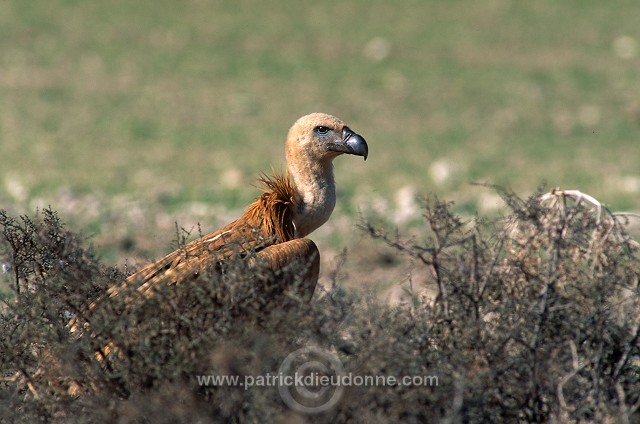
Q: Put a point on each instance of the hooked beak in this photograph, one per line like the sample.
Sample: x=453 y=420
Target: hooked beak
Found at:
x=351 y=143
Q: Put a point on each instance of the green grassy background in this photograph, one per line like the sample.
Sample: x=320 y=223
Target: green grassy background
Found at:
x=127 y=116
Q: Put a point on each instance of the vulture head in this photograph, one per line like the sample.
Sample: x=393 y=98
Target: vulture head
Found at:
x=312 y=144
x=319 y=137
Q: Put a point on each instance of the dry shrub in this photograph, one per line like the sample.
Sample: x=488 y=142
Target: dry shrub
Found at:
x=536 y=318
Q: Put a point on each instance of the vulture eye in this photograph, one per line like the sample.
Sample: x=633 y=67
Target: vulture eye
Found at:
x=320 y=130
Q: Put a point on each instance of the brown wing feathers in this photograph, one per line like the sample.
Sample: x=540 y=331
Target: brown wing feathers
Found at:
x=265 y=222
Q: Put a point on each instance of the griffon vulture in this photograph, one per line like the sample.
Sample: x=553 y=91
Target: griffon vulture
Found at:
x=274 y=227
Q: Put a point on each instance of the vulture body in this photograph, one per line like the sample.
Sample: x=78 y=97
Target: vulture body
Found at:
x=273 y=228
x=270 y=234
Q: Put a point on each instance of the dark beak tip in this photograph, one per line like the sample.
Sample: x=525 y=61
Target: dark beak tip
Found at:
x=365 y=153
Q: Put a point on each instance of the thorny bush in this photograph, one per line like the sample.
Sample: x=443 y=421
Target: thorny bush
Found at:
x=536 y=318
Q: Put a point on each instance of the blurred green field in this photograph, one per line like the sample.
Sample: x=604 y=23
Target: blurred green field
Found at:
x=128 y=116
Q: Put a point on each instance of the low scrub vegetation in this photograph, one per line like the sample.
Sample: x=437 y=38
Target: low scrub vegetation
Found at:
x=535 y=317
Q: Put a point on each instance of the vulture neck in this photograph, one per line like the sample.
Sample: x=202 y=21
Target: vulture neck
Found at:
x=315 y=194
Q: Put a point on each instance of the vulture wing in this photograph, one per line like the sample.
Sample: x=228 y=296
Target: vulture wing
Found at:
x=266 y=229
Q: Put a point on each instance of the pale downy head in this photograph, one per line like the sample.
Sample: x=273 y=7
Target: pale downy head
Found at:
x=312 y=144
x=320 y=137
